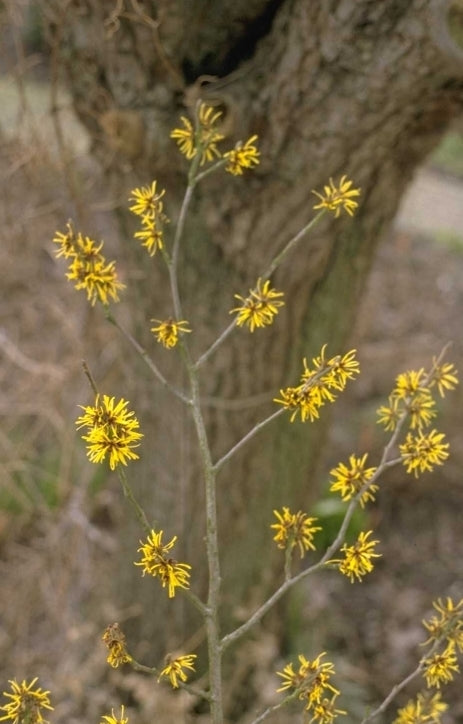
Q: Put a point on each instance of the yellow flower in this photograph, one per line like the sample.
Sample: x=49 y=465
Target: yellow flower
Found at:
x=444 y=376
x=88 y=267
x=317 y=384
x=432 y=705
x=304 y=400
x=171 y=574
x=325 y=711
x=427 y=708
x=151 y=237
x=26 y=703
x=147 y=203
x=422 y=452
x=66 y=241
x=421 y=409
x=389 y=415
x=111 y=429
x=412 y=396
x=341 y=368
x=107 y=413
x=174 y=668
x=349 y=480
x=88 y=251
x=419 y=404
x=97 y=278
x=294 y=529
x=113 y=719
x=357 y=558
x=259 y=308
x=167 y=332
x=291 y=678
x=185 y=138
x=409 y=383
x=149 y=206
x=242 y=156
x=337 y=198
x=311 y=681
x=439 y=668
x=115 y=641
x=156 y=561
x=449 y=625
x=200 y=140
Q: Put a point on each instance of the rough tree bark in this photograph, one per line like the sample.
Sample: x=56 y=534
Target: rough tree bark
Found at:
x=331 y=87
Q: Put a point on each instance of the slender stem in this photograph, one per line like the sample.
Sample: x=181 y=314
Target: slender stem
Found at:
x=307 y=385
x=172 y=264
x=351 y=509
x=211 y=610
x=197 y=603
x=211 y=169
x=393 y=693
x=247 y=437
x=181 y=222
x=276 y=261
x=275 y=707
x=257 y=615
x=402 y=684
x=90 y=378
x=212 y=617
x=220 y=339
x=147 y=359
x=290 y=582
x=128 y=493
x=136 y=666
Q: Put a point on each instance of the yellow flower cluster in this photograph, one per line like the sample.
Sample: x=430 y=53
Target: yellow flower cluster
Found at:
x=201 y=139
x=422 y=452
x=167 y=332
x=318 y=385
x=426 y=708
x=449 y=625
x=412 y=396
x=311 y=682
x=294 y=529
x=88 y=267
x=259 y=308
x=148 y=205
x=174 y=669
x=357 y=558
x=350 y=479
x=114 y=639
x=111 y=430
x=242 y=156
x=26 y=703
x=446 y=634
x=156 y=561
x=439 y=668
x=335 y=198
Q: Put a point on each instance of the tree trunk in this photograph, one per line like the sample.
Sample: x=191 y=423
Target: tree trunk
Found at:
x=331 y=87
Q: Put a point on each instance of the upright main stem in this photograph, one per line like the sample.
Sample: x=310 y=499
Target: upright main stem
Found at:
x=212 y=613
x=212 y=609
